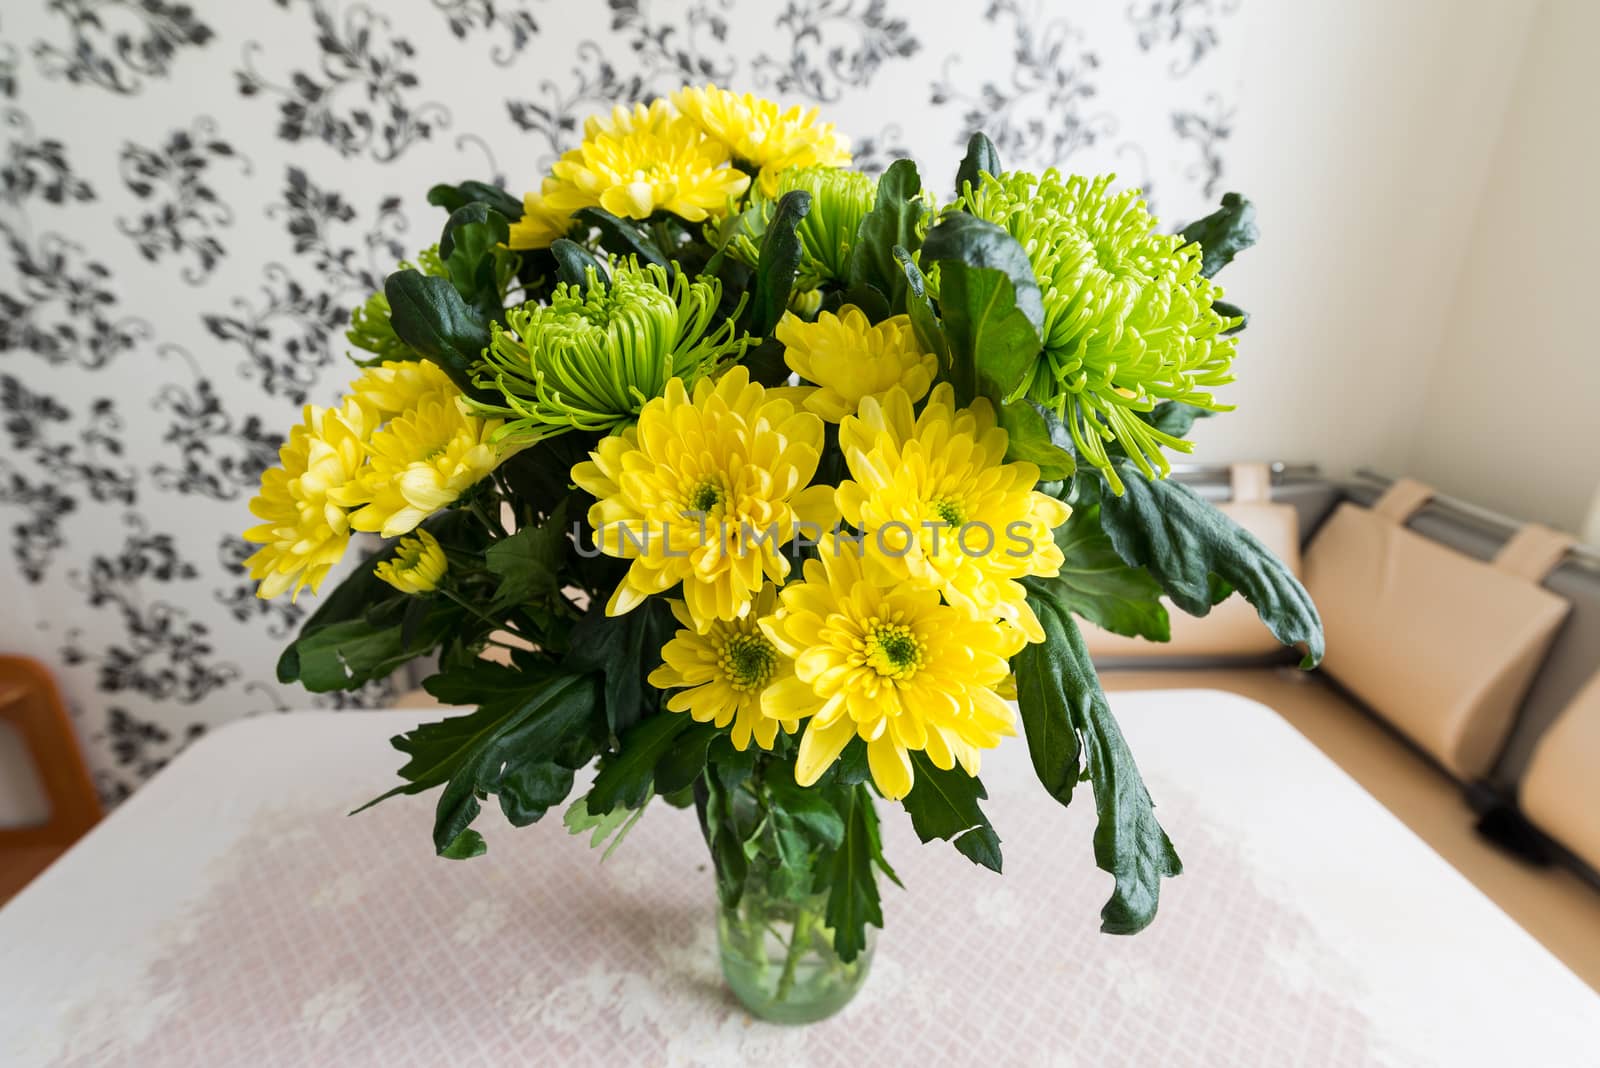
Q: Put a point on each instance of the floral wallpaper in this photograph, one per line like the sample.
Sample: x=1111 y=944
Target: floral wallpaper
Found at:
x=192 y=195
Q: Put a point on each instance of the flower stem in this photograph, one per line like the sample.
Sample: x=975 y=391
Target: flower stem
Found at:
x=798 y=939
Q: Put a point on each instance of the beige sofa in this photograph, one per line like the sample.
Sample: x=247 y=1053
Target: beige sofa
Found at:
x=1460 y=686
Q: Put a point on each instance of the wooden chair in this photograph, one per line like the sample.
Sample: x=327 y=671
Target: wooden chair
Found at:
x=30 y=703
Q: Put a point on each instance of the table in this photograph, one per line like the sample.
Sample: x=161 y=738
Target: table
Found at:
x=230 y=914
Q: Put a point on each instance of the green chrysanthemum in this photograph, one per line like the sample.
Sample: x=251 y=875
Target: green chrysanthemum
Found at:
x=1128 y=318
x=591 y=360
x=840 y=199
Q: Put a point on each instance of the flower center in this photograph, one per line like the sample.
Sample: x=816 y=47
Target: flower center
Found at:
x=949 y=511
x=747 y=661
x=704 y=497
x=893 y=649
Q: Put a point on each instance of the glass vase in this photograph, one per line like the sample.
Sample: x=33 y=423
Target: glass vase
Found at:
x=776 y=947
x=778 y=957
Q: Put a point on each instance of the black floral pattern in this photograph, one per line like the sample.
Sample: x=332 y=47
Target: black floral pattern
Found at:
x=512 y=22
x=289 y=336
x=141 y=748
x=238 y=594
x=220 y=455
x=64 y=309
x=181 y=211
x=594 y=84
x=1044 y=113
x=178 y=264
x=285 y=335
x=1208 y=131
x=165 y=654
x=1189 y=27
x=833 y=45
x=116 y=44
x=36 y=167
x=358 y=98
x=319 y=219
x=686 y=45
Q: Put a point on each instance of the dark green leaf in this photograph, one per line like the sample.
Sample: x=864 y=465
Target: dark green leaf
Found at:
x=1183 y=541
x=575 y=266
x=628 y=775
x=1098 y=585
x=808 y=809
x=430 y=316
x=870 y=299
x=350 y=654
x=767 y=363
x=530 y=789
x=715 y=808
x=893 y=222
x=1037 y=437
x=464 y=846
x=993 y=345
x=961 y=238
x=684 y=762
x=1128 y=841
x=776 y=266
x=468 y=236
x=554 y=721
x=1047 y=684
x=944 y=804
x=623 y=649
x=930 y=331
x=480 y=682
x=981 y=158
x=1224 y=233
x=852 y=767
x=455 y=197
x=1231 y=311
x=473 y=238
x=1174 y=417
x=621 y=237
x=732 y=766
x=853 y=901
x=529 y=561
x=981 y=845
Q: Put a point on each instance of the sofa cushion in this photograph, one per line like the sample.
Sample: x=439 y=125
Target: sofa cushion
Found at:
x=1561 y=790
x=1231 y=629
x=1441 y=645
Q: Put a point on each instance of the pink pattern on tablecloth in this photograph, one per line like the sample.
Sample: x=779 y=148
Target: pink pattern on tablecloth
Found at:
x=330 y=940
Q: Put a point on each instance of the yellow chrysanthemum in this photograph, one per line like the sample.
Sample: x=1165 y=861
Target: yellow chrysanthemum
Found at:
x=540 y=224
x=943 y=510
x=305 y=531
x=417 y=565
x=761 y=134
x=705 y=491
x=850 y=359
x=419 y=462
x=396 y=386
x=892 y=665
x=645 y=161
x=724 y=672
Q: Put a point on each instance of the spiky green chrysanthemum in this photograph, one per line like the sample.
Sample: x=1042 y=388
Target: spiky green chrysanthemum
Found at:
x=839 y=200
x=589 y=360
x=1128 y=317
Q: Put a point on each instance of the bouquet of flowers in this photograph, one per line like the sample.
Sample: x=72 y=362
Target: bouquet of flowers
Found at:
x=776 y=488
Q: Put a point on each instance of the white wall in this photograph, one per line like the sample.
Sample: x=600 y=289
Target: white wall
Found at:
x=1513 y=408
x=1365 y=137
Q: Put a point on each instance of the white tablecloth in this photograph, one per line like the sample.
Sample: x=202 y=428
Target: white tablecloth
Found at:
x=231 y=914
